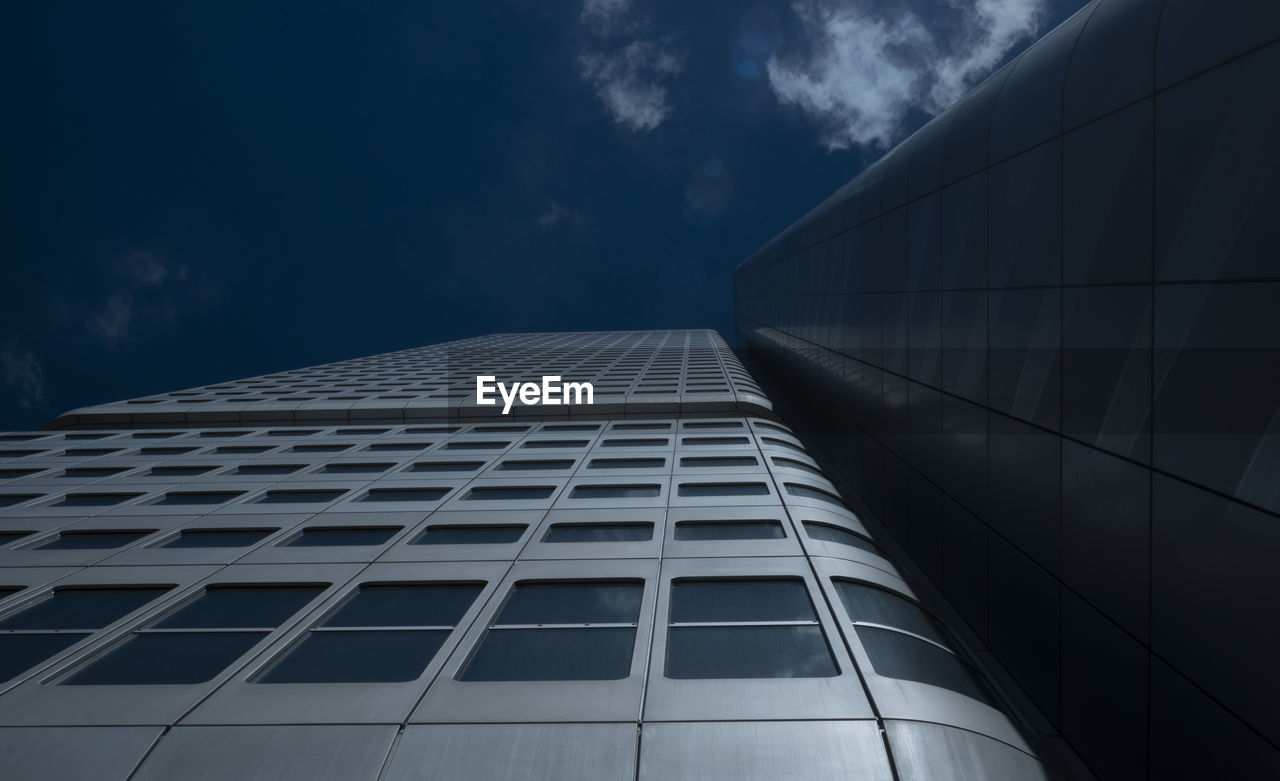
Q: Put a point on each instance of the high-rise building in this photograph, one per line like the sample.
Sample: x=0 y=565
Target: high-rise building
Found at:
x=353 y=571
x=1037 y=343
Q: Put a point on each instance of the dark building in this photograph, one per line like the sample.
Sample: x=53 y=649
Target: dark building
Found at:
x=1037 y=342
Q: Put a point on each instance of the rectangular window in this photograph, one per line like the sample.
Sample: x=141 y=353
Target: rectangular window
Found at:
x=218 y=538
x=299 y=497
x=319 y=448
x=508 y=492
x=627 y=463
x=381 y=633
x=625 y=491
x=791 y=462
x=268 y=469
x=531 y=465
x=458 y=534
x=707 y=462
x=555 y=443
x=242 y=449
x=829 y=533
x=405 y=495
x=809 y=492
x=165 y=451
x=8 y=500
x=475 y=445
x=324 y=536
x=7 y=537
x=560 y=632
x=571 y=427
x=699 y=441
x=94 y=500
x=637 y=442
x=723 y=489
x=598 y=532
x=198 y=497
x=95 y=540
x=63 y=618
x=357 y=468
x=394 y=447
x=745 y=628
x=446 y=466
x=10 y=474
x=724 y=424
x=196 y=641
x=91 y=472
x=504 y=428
x=180 y=471
x=729 y=530
x=641 y=427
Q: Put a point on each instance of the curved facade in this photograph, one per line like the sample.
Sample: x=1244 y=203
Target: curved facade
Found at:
x=1040 y=337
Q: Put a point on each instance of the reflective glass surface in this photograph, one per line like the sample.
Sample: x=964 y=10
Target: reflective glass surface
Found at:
x=470 y=535
x=234 y=607
x=748 y=652
x=405 y=605
x=552 y=655
x=357 y=657
x=82 y=608
x=732 y=530
x=180 y=658
x=572 y=603
x=599 y=532
x=740 y=600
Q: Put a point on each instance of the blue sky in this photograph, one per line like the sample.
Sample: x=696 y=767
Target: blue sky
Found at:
x=207 y=192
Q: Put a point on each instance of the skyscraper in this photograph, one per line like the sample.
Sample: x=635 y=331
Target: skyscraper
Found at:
x=353 y=571
x=1037 y=341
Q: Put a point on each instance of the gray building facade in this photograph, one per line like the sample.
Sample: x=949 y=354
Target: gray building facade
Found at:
x=1037 y=343
x=354 y=572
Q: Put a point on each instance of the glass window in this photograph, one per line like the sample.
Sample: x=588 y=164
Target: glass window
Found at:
x=627 y=463
x=357 y=468
x=715 y=440
x=381 y=633
x=242 y=449
x=319 y=448
x=199 y=497
x=729 y=530
x=896 y=655
x=213 y=630
x=718 y=461
x=550 y=443
x=391 y=447
x=322 y=536
x=636 y=442
x=723 y=489
x=641 y=427
x=404 y=494
x=63 y=618
x=710 y=424
x=508 y=492
x=464 y=445
x=95 y=500
x=571 y=427
x=625 y=491
x=470 y=535
x=90 y=472
x=745 y=628
x=446 y=466
x=9 y=474
x=298 y=497
x=829 y=533
x=782 y=443
x=809 y=492
x=526 y=465
x=598 y=532
x=218 y=538
x=870 y=605
x=8 y=500
x=95 y=540
x=791 y=462
x=268 y=469
x=7 y=537
x=560 y=632
x=180 y=471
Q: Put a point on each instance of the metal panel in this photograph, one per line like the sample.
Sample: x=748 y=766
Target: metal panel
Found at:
x=73 y=753
x=513 y=752
x=932 y=752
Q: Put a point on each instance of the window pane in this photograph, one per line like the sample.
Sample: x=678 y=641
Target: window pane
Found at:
x=94 y=500
x=357 y=468
x=808 y=492
x=828 y=533
x=895 y=655
x=232 y=607
x=637 y=442
x=405 y=494
x=627 y=463
x=723 y=489
x=167 y=658
x=407 y=605
x=695 y=601
x=877 y=606
x=199 y=497
x=599 y=532
x=179 y=471
x=780 y=461
x=615 y=491
x=748 y=652
x=82 y=608
x=516 y=466
x=293 y=497
x=19 y=653
x=470 y=535
x=218 y=538
x=447 y=466
x=715 y=440
x=357 y=657
x=552 y=655
x=536 y=443
x=737 y=530
x=710 y=461
x=321 y=536
x=500 y=492
x=8 y=537
x=103 y=540
x=572 y=603
x=713 y=424
x=268 y=469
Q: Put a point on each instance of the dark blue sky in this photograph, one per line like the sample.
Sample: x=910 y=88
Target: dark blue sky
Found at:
x=213 y=191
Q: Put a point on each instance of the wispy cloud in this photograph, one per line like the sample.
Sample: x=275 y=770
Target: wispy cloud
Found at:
x=555 y=214
x=867 y=67
x=23 y=373
x=146 y=283
x=628 y=72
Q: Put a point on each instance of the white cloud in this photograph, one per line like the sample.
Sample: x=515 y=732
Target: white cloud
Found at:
x=606 y=16
x=112 y=323
x=866 y=69
x=629 y=82
x=146 y=283
x=556 y=214
x=23 y=373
